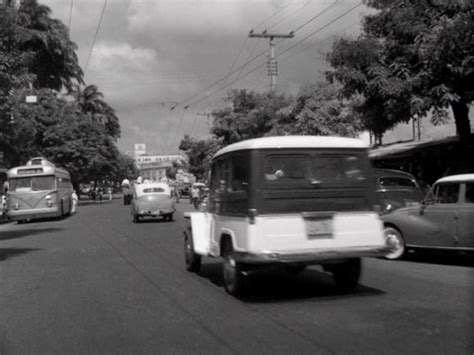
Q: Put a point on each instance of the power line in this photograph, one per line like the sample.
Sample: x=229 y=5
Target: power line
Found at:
x=319 y=29
x=240 y=68
x=288 y=16
x=316 y=16
x=70 y=16
x=95 y=35
x=280 y=54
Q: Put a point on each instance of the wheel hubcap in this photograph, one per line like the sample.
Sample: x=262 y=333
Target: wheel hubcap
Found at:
x=395 y=242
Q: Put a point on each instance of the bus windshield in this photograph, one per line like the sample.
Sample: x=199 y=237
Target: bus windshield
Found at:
x=35 y=183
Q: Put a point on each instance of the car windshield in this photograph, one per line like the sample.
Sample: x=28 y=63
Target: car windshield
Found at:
x=313 y=168
x=35 y=183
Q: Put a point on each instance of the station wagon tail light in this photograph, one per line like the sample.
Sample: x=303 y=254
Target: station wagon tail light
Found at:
x=252 y=213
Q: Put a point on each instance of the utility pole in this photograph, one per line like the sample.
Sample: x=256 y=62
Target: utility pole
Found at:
x=272 y=63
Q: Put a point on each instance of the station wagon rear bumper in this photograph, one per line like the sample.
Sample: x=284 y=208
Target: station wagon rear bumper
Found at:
x=310 y=257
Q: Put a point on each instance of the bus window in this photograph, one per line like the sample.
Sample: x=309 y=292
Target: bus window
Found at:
x=20 y=184
x=35 y=183
x=42 y=183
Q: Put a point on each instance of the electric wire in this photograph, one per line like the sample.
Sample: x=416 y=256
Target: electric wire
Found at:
x=316 y=16
x=240 y=68
x=290 y=14
x=70 y=16
x=280 y=54
x=95 y=35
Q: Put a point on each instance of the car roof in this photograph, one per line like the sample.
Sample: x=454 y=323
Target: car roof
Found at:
x=280 y=142
x=457 y=178
x=391 y=172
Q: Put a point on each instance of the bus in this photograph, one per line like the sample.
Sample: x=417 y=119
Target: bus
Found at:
x=38 y=189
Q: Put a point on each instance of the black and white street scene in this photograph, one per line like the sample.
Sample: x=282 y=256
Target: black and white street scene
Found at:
x=236 y=177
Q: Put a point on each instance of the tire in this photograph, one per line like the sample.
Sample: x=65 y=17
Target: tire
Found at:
x=192 y=260
x=347 y=274
x=136 y=218
x=232 y=272
x=395 y=238
x=170 y=217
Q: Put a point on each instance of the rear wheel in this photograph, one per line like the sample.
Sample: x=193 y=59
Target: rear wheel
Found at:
x=347 y=274
x=232 y=271
x=395 y=239
x=193 y=260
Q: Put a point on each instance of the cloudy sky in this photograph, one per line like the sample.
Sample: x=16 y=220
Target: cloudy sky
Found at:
x=152 y=55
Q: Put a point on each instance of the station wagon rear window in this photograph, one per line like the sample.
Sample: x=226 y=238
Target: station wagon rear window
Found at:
x=313 y=168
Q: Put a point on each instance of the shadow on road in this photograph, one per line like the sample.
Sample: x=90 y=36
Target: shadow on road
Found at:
x=7 y=253
x=280 y=286
x=21 y=233
x=441 y=259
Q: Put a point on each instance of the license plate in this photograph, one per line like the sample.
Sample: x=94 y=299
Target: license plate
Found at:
x=319 y=228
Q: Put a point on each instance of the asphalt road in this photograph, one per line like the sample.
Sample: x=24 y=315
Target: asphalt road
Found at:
x=95 y=283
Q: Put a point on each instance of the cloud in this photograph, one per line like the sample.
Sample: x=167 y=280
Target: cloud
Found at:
x=197 y=16
x=135 y=75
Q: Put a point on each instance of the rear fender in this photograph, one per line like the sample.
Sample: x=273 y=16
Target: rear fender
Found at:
x=200 y=223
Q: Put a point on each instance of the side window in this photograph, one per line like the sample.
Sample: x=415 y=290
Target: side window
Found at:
x=240 y=174
x=214 y=186
x=447 y=193
x=469 y=197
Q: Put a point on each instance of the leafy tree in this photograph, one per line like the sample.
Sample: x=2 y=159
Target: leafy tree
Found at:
x=250 y=115
x=172 y=170
x=317 y=111
x=22 y=136
x=199 y=152
x=125 y=168
x=413 y=57
x=52 y=55
x=80 y=146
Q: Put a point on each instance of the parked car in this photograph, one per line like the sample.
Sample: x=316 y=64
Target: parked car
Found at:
x=443 y=221
x=152 y=199
x=395 y=189
x=293 y=201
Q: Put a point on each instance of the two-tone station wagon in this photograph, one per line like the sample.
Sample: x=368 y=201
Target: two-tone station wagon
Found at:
x=293 y=200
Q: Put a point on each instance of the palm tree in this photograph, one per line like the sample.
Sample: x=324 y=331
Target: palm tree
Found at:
x=90 y=101
x=52 y=55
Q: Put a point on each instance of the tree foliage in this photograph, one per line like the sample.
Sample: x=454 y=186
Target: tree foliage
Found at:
x=413 y=57
x=90 y=101
x=317 y=110
x=51 y=55
x=77 y=132
x=199 y=152
x=249 y=115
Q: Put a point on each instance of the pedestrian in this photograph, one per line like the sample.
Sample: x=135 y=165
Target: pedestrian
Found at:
x=109 y=191
x=75 y=199
x=195 y=197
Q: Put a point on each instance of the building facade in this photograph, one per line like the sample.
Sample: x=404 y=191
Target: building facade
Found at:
x=153 y=166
